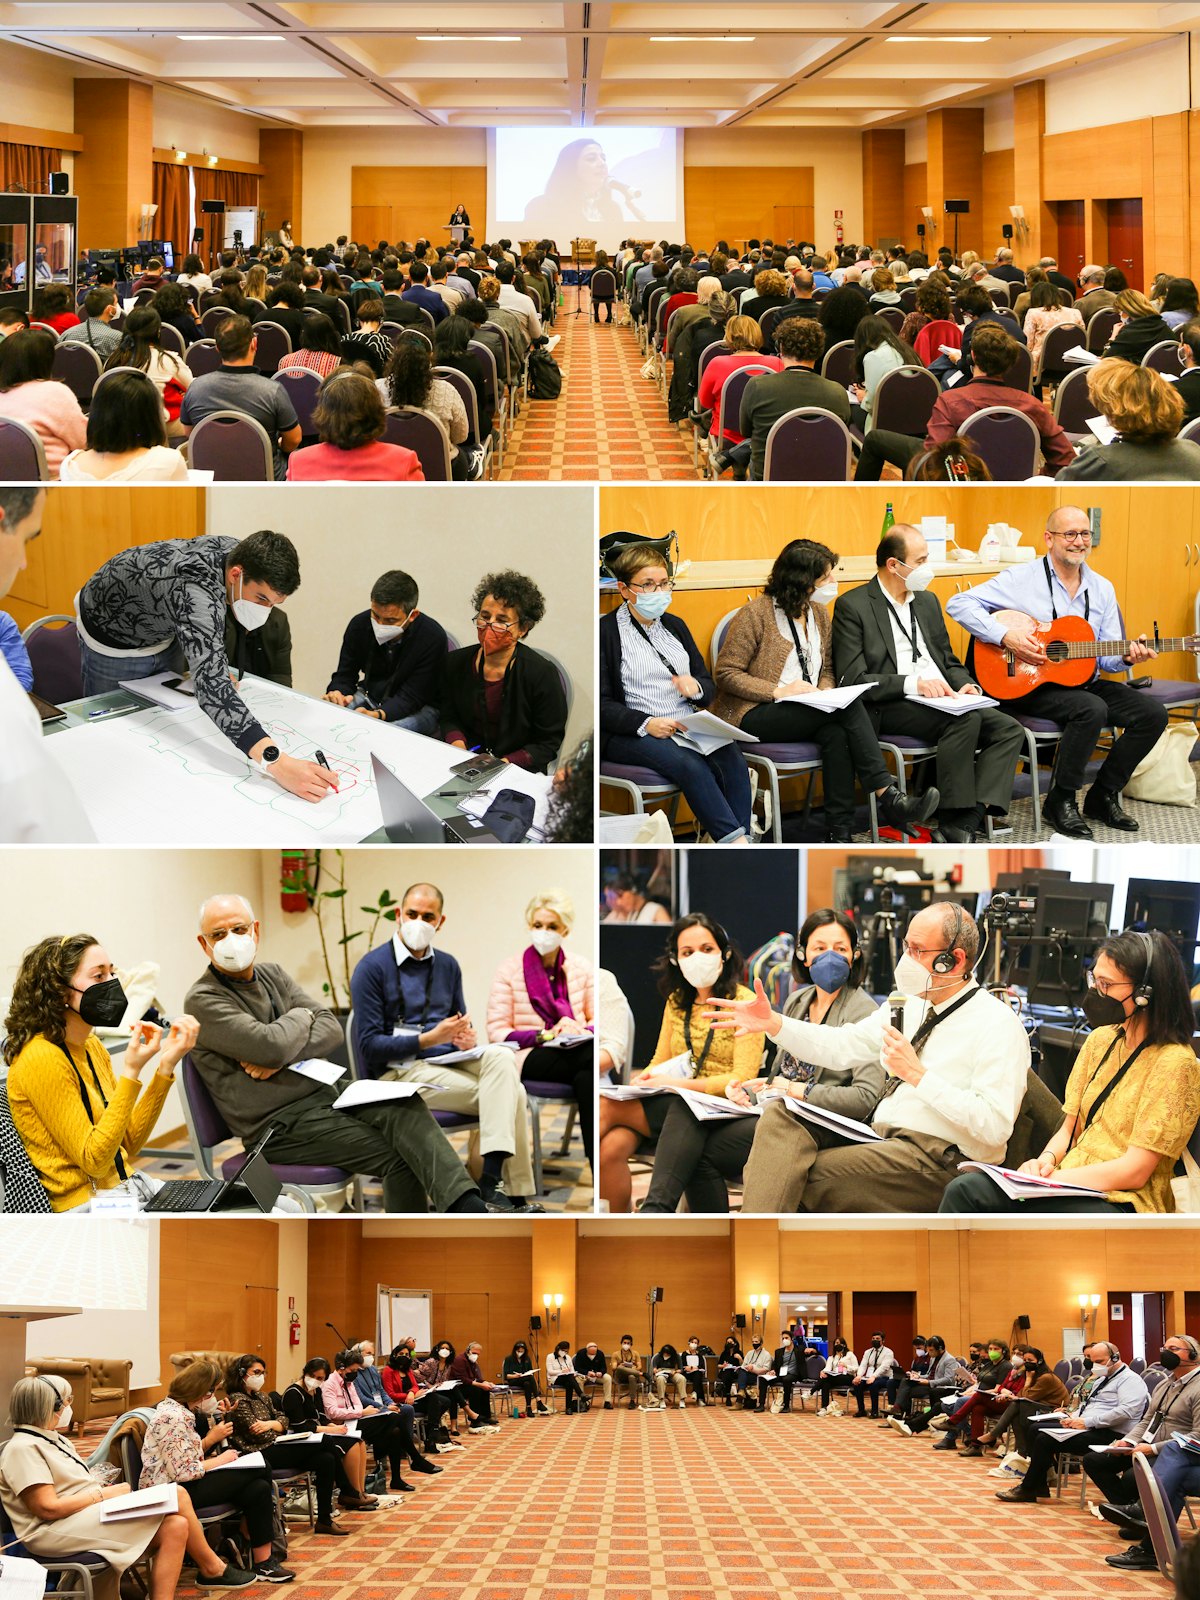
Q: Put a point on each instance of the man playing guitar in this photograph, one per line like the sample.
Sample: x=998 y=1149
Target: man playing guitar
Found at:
x=1003 y=612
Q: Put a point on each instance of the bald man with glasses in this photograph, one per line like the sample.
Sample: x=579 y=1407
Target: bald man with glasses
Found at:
x=1062 y=584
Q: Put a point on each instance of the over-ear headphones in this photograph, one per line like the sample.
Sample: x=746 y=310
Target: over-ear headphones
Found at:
x=1143 y=991
x=59 y=1400
x=943 y=962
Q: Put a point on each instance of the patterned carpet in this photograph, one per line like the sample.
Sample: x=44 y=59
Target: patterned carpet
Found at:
x=568 y=1179
x=710 y=1505
x=608 y=423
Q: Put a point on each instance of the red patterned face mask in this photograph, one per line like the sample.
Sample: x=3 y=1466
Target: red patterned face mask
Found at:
x=493 y=641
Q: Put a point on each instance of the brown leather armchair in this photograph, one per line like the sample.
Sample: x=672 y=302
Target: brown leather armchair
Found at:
x=99 y=1386
x=184 y=1358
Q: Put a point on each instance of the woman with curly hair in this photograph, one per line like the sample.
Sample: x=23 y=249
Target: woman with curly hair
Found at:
x=408 y=380
x=81 y=1123
x=499 y=695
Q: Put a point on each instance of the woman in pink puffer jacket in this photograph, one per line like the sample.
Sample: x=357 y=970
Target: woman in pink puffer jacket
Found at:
x=545 y=995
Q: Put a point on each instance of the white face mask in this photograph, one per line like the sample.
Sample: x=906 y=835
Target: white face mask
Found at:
x=64 y=1418
x=702 y=969
x=416 y=935
x=312 y=1384
x=825 y=594
x=250 y=614
x=386 y=632
x=545 y=940
x=235 y=952
x=912 y=979
x=443 y=1355
x=918 y=578
x=255 y=1381
x=368 y=1361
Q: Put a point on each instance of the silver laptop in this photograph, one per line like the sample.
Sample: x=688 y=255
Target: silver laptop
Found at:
x=407 y=819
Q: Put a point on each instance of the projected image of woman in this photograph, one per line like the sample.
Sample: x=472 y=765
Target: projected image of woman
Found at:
x=578 y=193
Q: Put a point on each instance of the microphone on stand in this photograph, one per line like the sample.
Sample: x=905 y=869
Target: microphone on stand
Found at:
x=342 y=1342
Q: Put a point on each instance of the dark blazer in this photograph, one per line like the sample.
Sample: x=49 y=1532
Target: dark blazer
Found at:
x=1137 y=336
x=1013 y=329
x=288 y=318
x=400 y=676
x=397 y=309
x=267 y=652
x=321 y=302
x=1189 y=392
x=615 y=716
x=863 y=647
x=534 y=714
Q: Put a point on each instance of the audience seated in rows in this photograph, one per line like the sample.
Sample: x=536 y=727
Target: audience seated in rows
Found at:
x=126 y=435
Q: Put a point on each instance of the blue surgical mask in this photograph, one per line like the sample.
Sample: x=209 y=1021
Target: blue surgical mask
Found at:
x=829 y=971
x=653 y=605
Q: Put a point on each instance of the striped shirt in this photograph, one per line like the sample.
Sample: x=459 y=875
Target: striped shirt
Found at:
x=644 y=677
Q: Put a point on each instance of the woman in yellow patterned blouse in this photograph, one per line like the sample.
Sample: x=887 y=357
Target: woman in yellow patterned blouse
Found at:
x=699 y=962
x=1133 y=1097
x=81 y=1123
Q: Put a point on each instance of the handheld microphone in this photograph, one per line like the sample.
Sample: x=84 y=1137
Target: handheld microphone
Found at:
x=623 y=188
x=343 y=1343
x=896 y=1007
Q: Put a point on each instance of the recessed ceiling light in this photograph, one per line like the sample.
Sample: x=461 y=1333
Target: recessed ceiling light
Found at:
x=945 y=38
x=231 y=38
x=469 y=38
x=702 y=38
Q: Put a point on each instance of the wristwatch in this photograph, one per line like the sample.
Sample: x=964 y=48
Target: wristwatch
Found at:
x=268 y=758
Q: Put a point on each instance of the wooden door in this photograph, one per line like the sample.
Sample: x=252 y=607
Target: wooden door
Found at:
x=1069 y=217
x=1154 y=1319
x=1125 y=240
x=893 y=1311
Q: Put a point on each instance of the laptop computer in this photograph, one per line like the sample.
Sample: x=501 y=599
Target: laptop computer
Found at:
x=223 y=1194
x=407 y=819
x=45 y=709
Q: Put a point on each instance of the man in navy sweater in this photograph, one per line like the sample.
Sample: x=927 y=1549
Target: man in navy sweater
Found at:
x=392 y=658
x=409 y=1010
x=420 y=294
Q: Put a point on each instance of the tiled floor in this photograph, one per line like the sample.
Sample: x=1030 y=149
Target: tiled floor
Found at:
x=711 y=1505
x=608 y=423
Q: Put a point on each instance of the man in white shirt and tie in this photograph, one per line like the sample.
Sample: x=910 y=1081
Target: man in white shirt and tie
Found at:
x=891 y=632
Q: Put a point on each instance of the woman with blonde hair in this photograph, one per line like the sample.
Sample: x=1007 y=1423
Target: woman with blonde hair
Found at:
x=1140 y=327
x=543 y=997
x=256 y=283
x=1147 y=413
x=884 y=291
x=54 y=1503
x=744 y=338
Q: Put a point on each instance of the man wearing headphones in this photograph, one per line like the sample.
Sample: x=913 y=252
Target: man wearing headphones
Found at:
x=956 y=1074
x=1174 y=1407
x=1117 y=1400
x=1133 y=1097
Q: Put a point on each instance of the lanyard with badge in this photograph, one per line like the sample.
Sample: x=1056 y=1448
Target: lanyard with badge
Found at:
x=1087 y=601
x=1159 y=1415
x=801 y=653
x=913 y=639
x=698 y=1066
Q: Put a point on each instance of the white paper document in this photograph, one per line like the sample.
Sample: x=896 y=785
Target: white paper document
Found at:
x=713 y=1107
x=830 y=699
x=1061 y=1434
x=567 y=1041
x=21 y=1579
x=1103 y=429
x=1079 y=356
x=161 y=1501
x=858 y=1132
x=707 y=733
x=319 y=1071
x=1024 y=1186
x=181 y=696
x=537 y=785
x=372 y=1091
x=454 y=1058
x=301 y=1438
x=952 y=705
x=254 y=1458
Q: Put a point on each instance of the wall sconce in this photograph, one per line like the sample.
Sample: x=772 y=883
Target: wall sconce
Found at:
x=1088 y=1306
x=758 y=1308
x=553 y=1305
x=180 y=155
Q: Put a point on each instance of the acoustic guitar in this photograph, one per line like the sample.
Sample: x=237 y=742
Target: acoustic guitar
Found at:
x=1072 y=651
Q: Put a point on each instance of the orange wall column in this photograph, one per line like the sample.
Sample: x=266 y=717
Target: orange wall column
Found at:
x=755 y=1247
x=114 y=172
x=883 y=185
x=1029 y=124
x=554 y=1272
x=955 y=172
x=281 y=155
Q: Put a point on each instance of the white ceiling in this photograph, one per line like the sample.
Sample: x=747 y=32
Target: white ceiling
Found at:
x=335 y=63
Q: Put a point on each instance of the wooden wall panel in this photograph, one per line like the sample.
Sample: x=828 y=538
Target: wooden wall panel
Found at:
x=1029 y=128
x=281 y=154
x=955 y=167
x=419 y=201
x=480 y=1287
x=884 y=214
x=916 y=195
x=81 y=529
x=1167 y=218
x=721 y=202
x=113 y=173
x=998 y=194
x=615 y=1273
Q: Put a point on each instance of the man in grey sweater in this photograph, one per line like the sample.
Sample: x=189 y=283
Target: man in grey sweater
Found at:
x=256 y=1026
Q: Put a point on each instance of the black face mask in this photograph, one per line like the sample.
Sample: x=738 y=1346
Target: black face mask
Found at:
x=1102 y=1010
x=1087 y=1363
x=103 y=1004
x=1169 y=1359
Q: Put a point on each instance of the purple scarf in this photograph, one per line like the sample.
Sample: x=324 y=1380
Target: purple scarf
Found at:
x=540 y=990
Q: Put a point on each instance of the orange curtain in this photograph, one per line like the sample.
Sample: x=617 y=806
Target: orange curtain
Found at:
x=1015 y=860
x=173 y=199
x=235 y=188
x=28 y=165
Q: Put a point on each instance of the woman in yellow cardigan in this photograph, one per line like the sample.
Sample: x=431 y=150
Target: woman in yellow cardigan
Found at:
x=81 y=1123
x=699 y=962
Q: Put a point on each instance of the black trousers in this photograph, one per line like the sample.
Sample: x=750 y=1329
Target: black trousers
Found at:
x=479 y=1400
x=390 y=1435
x=1082 y=714
x=432 y=1408
x=879 y=446
x=1113 y=1476
x=964 y=778
x=319 y=1459
x=828 y=1387
x=397 y=1141
x=1042 y=1450
x=527 y=1384
x=576 y=1068
x=696 y=1158
x=848 y=743
x=694 y=1380
x=573 y=1389
x=247 y=1488
x=975 y=1191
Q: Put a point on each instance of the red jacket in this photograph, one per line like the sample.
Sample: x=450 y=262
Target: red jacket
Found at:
x=955 y=405
x=401 y=1387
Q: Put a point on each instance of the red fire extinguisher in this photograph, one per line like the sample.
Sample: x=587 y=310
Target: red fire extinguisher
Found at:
x=293 y=880
x=294 y=1332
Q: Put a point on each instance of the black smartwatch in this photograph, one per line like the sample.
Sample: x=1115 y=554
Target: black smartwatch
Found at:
x=268 y=758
